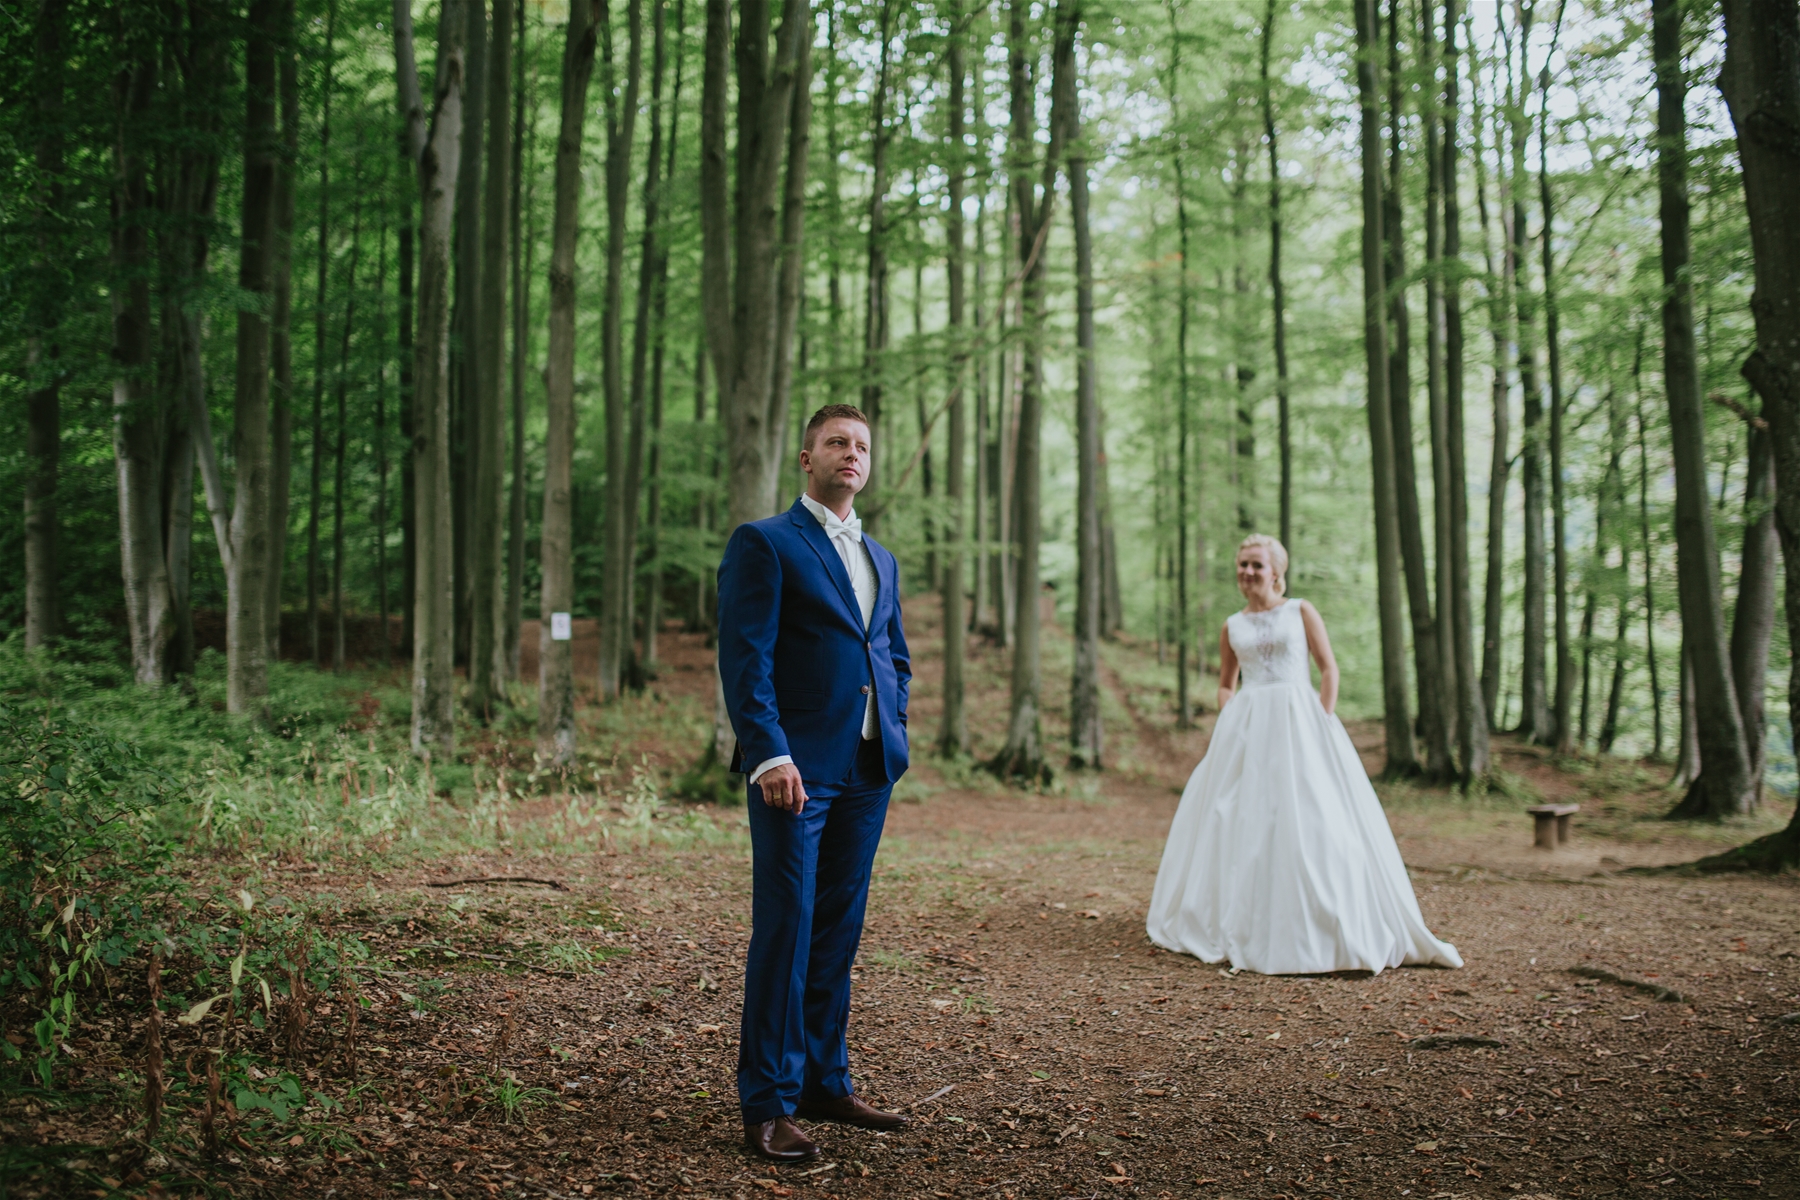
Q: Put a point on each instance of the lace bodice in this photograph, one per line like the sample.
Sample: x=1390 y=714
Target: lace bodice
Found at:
x=1270 y=646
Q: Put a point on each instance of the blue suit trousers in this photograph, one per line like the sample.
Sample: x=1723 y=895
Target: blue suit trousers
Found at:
x=810 y=889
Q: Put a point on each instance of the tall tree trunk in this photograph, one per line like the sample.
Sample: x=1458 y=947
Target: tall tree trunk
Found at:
x=1724 y=784
x=1753 y=621
x=875 y=288
x=953 y=730
x=412 y=146
x=315 y=445
x=434 y=680
x=1181 y=632
x=556 y=679
x=790 y=291
x=281 y=329
x=44 y=369
x=621 y=123
x=1402 y=758
x=137 y=416
x=1656 y=694
x=523 y=242
x=1761 y=82
x=1022 y=757
x=1085 y=730
x=751 y=413
x=340 y=434
x=981 y=616
x=644 y=330
x=1471 y=710
x=381 y=444
x=1500 y=316
x=1427 y=666
x=654 y=500
x=487 y=406
x=1535 y=719
x=1437 y=405
x=1278 y=295
x=468 y=323
x=1559 y=534
x=187 y=199
x=246 y=637
x=1112 y=591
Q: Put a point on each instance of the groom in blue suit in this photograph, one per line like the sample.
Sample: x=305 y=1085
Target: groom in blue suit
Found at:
x=815 y=670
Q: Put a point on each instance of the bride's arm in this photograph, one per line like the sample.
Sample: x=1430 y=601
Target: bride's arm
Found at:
x=1320 y=644
x=1228 y=667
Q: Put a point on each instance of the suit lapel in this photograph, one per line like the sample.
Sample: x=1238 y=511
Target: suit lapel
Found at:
x=813 y=534
x=886 y=581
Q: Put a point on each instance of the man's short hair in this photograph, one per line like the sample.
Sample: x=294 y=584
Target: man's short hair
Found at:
x=833 y=412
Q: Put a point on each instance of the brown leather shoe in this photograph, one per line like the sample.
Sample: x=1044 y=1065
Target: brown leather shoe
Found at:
x=779 y=1140
x=850 y=1110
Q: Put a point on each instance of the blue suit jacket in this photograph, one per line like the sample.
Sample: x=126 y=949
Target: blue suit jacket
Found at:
x=794 y=657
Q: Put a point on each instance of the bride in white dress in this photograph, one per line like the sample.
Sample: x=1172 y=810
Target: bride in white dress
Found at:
x=1280 y=858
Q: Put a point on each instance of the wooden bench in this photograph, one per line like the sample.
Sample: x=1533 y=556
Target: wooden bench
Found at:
x=1552 y=824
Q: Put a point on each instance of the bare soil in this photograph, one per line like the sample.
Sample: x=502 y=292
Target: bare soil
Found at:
x=1008 y=999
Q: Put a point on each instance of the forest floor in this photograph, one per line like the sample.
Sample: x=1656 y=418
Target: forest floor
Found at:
x=1007 y=998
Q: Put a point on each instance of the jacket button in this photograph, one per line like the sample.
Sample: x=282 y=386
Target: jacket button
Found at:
x=865 y=689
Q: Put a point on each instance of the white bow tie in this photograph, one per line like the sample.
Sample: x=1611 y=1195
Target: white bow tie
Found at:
x=836 y=528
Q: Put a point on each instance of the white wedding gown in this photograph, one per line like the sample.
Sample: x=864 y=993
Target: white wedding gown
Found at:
x=1280 y=858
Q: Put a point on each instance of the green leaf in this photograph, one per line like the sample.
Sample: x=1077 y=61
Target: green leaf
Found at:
x=237 y=966
x=1042 y=1074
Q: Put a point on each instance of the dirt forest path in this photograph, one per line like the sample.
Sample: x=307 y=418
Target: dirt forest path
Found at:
x=1006 y=996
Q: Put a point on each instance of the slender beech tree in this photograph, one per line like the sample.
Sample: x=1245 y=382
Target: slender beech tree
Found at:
x=875 y=288
x=43 y=352
x=1761 y=82
x=1724 y=784
x=1535 y=717
x=468 y=321
x=137 y=419
x=1033 y=197
x=1500 y=327
x=316 y=441
x=1471 y=709
x=1402 y=758
x=556 y=675
x=434 y=680
x=1427 y=667
x=1181 y=631
x=742 y=244
x=619 y=101
x=188 y=193
x=411 y=141
x=953 y=731
x=381 y=444
x=1753 y=620
x=1436 y=401
x=1277 y=293
x=340 y=432
x=644 y=330
x=1559 y=531
x=1644 y=535
x=519 y=257
x=281 y=327
x=1085 y=730
x=653 y=506
x=246 y=639
x=488 y=656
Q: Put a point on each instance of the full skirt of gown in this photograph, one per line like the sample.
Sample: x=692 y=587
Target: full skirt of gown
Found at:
x=1280 y=858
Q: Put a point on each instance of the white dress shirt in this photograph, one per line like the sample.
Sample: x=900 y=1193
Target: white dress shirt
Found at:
x=846 y=539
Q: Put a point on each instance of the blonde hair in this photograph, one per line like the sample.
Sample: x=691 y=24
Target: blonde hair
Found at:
x=1278 y=557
